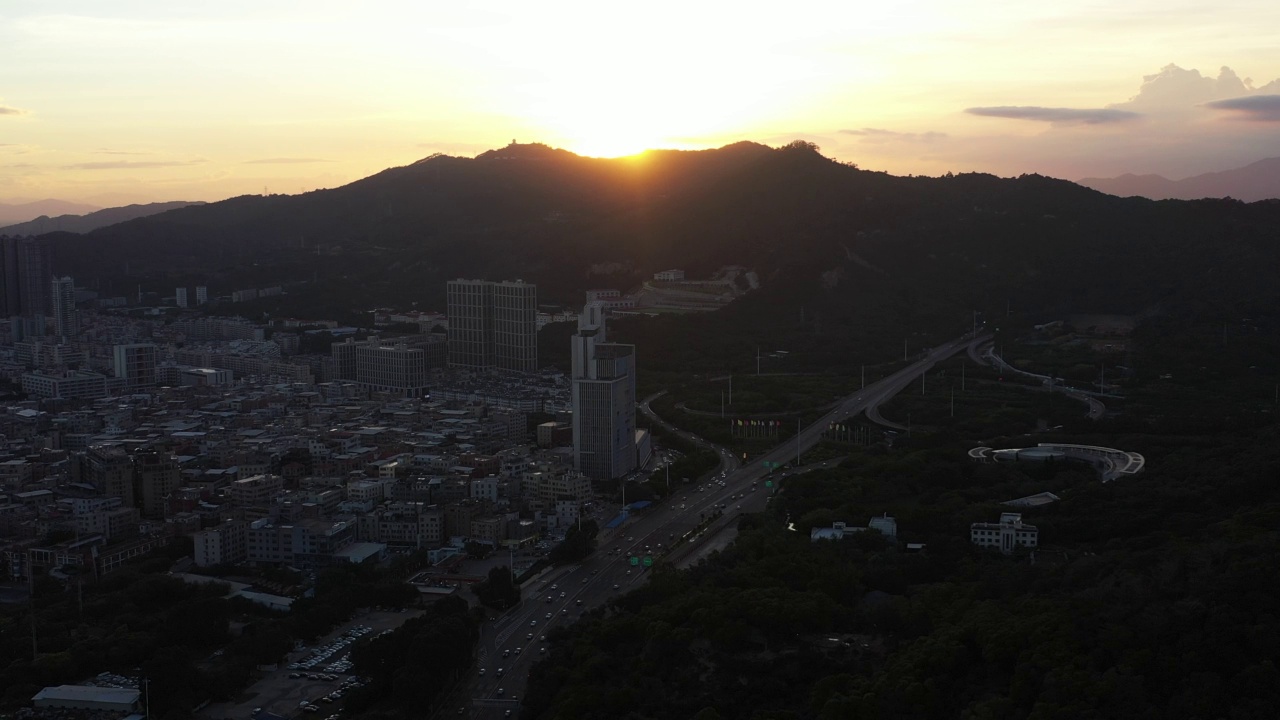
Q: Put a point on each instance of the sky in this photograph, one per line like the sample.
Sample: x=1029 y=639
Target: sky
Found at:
x=125 y=101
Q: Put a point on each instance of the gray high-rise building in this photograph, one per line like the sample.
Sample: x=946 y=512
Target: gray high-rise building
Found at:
x=65 y=319
x=493 y=325
x=26 y=267
x=180 y=297
x=604 y=400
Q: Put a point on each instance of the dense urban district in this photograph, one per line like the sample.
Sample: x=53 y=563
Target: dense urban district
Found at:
x=707 y=494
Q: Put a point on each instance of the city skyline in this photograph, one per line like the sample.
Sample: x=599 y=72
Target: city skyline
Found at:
x=135 y=102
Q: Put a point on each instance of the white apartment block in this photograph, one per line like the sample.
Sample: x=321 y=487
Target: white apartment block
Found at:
x=1008 y=535
x=374 y=491
x=256 y=491
x=224 y=544
x=403 y=524
x=485 y=489
x=551 y=486
x=70 y=384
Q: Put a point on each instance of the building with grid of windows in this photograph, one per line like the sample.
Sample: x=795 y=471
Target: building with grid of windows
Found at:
x=493 y=325
x=604 y=400
x=1008 y=535
x=136 y=363
x=66 y=322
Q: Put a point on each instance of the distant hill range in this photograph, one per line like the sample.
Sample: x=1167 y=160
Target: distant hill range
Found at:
x=838 y=246
x=1258 y=181
x=22 y=212
x=90 y=221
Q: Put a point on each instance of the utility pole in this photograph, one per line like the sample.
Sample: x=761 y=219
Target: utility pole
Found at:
x=962 y=377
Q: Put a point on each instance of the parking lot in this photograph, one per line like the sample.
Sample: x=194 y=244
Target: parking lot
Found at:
x=284 y=691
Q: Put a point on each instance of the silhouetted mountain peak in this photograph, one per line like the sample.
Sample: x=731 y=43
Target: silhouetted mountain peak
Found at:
x=1256 y=181
x=526 y=151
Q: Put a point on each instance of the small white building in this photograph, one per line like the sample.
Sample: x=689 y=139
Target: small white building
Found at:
x=1008 y=535
x=669 y=275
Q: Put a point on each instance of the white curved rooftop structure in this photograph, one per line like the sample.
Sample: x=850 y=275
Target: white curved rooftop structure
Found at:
x=1110 y=462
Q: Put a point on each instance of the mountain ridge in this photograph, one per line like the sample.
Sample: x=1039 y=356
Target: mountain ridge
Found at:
x=93 y=220
x=1253 y=182
x=12 y=213
x=792 y=215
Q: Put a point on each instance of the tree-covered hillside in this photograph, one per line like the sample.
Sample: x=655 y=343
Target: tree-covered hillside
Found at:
x=1150 y=597
x=820 y=235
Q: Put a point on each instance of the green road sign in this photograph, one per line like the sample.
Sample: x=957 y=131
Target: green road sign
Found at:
x=635 y=560
x=648 y=561
x=768 y=483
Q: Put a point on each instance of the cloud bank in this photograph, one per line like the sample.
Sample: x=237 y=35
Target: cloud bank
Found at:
x=1057 y=116
x=285 y=161
x=880 y=136
x=132 y=164
x=1260 y=108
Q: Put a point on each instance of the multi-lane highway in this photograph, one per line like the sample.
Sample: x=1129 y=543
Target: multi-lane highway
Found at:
x=511 y=644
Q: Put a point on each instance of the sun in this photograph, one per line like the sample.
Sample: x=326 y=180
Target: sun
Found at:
x=601 y=142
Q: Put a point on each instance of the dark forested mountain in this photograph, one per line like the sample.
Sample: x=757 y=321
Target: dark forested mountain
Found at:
x=1258 y=181
x=91 y=221
x=11 y=213
x=817 y=232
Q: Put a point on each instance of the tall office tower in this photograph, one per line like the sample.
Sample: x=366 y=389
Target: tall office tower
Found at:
x=202 y=294
x=66 y=322
x=155 y=476
x=493 y=325
x=604 y=400
x=515 y=326
x=180 y=297
x=136 y=364
x=10 y=297
x=27 y=270
x=109 y=470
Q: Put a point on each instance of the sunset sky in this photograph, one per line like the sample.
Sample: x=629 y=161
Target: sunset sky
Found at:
x=137 y=101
